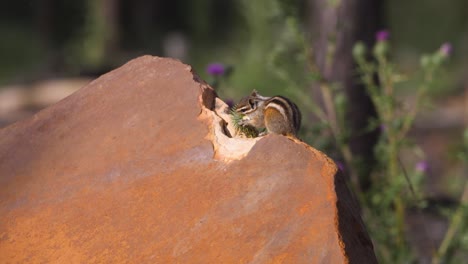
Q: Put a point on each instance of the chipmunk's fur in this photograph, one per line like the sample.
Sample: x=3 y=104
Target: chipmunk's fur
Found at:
x=277 y=114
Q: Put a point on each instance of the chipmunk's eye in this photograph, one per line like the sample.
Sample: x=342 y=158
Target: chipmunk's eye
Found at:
x=242 y=109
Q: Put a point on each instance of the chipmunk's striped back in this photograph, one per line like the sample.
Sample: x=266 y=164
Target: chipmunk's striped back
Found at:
x=289 y=113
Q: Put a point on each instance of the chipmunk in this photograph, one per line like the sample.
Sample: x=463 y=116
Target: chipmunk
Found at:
x=277 y=114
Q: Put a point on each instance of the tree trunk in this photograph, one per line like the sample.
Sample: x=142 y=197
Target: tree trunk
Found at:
x=340 y=27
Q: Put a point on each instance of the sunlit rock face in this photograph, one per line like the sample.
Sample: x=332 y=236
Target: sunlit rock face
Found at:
x=139 y=167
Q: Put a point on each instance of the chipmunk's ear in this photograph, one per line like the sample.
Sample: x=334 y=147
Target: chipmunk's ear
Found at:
x=254 y=93
x=253 y=103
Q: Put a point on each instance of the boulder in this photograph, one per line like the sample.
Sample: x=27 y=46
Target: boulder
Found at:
x=139 y=167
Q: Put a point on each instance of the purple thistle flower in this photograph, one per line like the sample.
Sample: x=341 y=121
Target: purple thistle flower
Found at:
x=422 y=166
x=446 y=49
x=340 y=165
x=215 y=69
x=230 y=103
x=382 y=35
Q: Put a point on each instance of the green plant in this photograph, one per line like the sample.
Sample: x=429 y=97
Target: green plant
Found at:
x=392 y=190
x=247 y=131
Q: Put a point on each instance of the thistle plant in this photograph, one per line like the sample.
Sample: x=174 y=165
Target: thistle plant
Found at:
x=393 y=188
x=245 y=130
x=217 y=73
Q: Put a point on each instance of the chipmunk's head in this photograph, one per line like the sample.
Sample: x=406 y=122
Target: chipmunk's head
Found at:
x=250 y=103
x=248 y=107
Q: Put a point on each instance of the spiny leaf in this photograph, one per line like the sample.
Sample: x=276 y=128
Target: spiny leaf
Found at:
x=247 y=131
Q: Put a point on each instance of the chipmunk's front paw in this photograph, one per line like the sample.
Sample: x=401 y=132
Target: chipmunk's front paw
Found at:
x=245 y=121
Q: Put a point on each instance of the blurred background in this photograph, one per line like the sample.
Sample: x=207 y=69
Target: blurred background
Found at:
x=51 y=48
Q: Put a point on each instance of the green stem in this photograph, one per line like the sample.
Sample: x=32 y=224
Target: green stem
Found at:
x=408 y=121
x=348 y=158
x=456 y=221
x=330 y=108
x=400 y=214
x=336 y=132
x=398 y=201
x=387 y=105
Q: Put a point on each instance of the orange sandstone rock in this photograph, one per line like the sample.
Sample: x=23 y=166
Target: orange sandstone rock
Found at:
x=135 y=168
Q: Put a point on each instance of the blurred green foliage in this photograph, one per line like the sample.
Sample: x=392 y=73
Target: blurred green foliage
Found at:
x=394 y=189
x=241 y=33
x=20 y=51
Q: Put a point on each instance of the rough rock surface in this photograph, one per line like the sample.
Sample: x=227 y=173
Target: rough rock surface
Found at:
x=133 y=168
